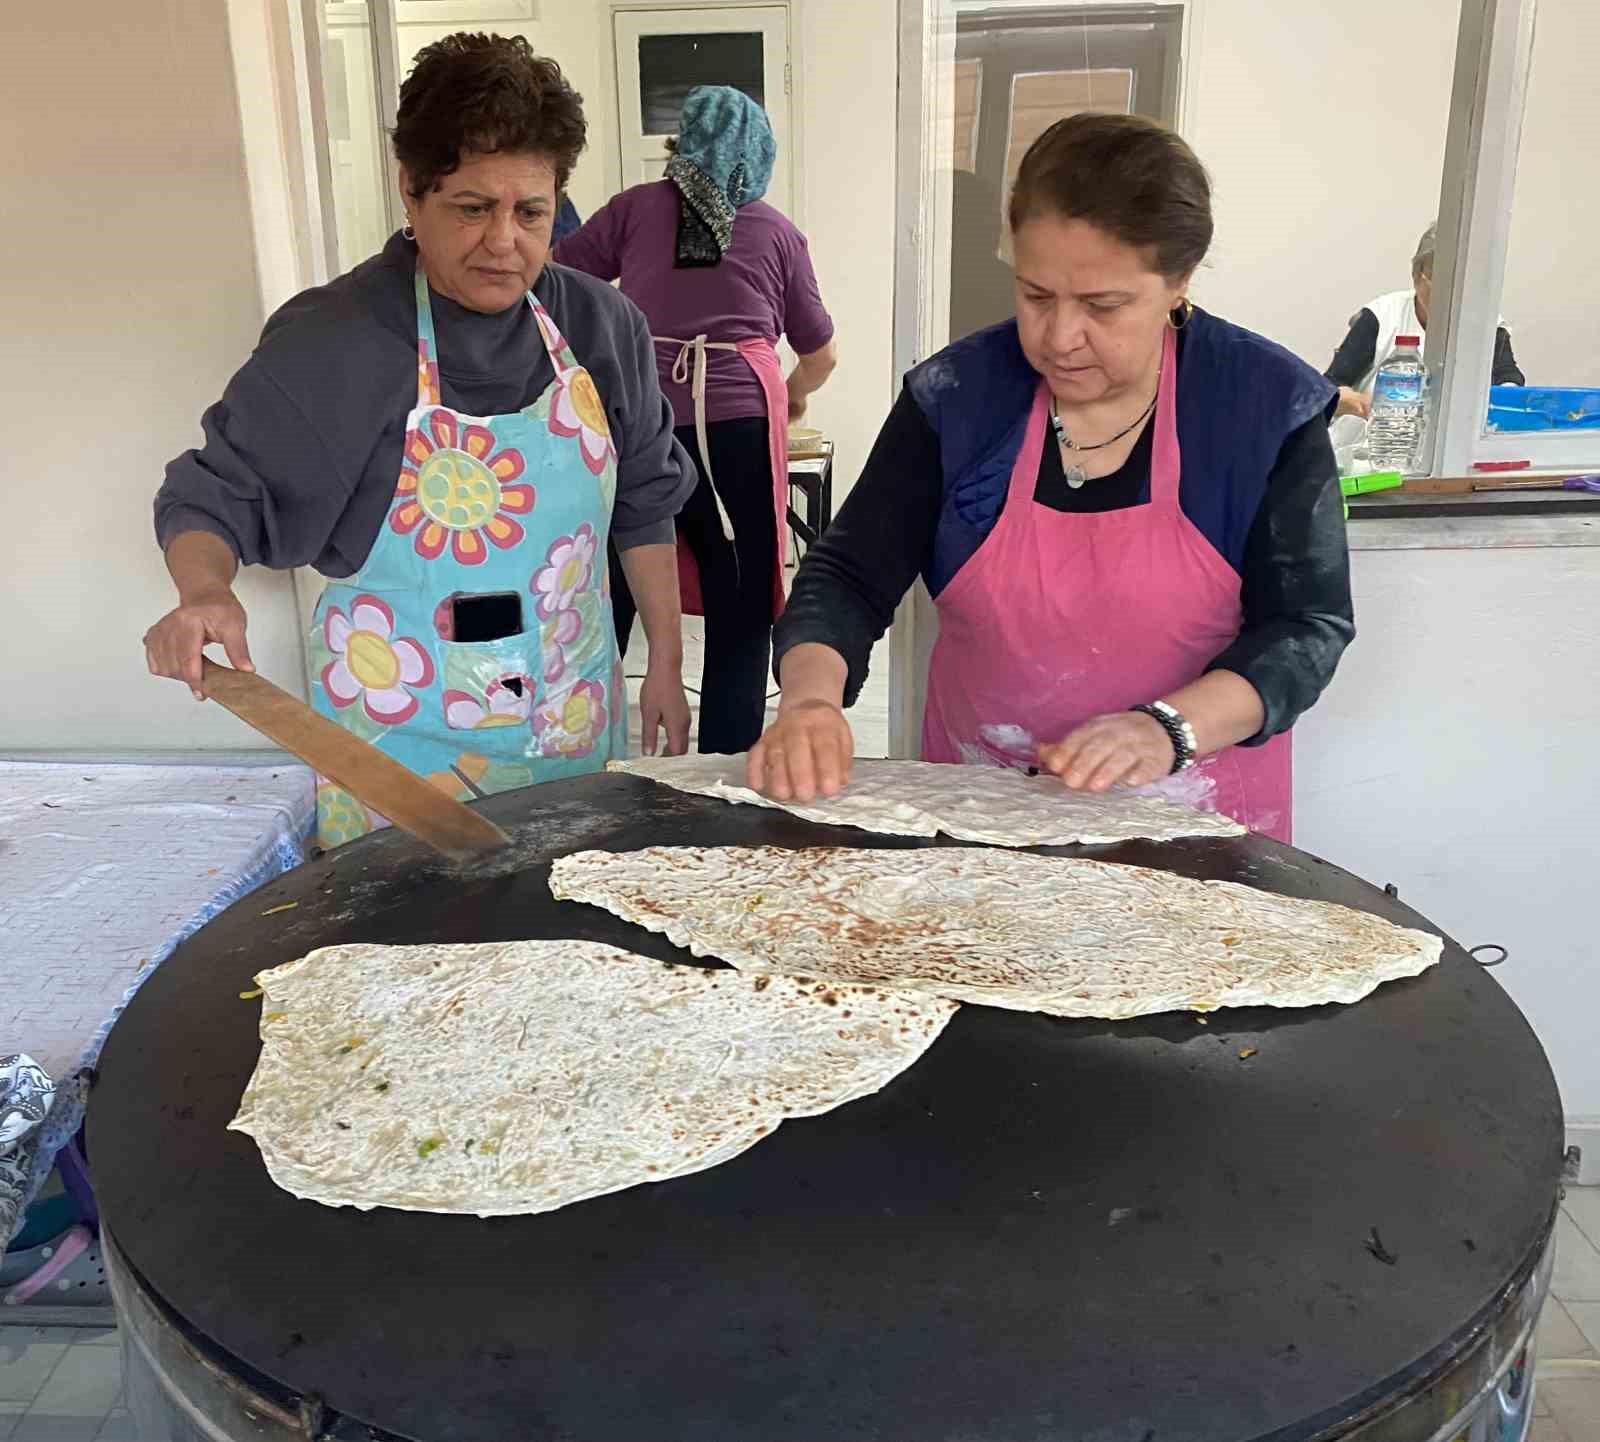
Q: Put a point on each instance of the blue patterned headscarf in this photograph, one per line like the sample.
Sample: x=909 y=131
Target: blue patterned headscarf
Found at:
x=724 y=157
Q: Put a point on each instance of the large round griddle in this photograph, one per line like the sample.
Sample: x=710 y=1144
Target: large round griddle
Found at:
x=1044 y=1229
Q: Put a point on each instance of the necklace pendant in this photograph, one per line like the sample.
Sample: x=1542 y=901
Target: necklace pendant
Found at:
x=1076 y=477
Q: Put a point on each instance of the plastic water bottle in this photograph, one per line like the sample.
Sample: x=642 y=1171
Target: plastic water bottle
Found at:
x=1399 y=393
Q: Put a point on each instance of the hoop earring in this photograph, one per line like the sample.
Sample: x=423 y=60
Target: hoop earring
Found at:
x=1186 y=310
x=407 y=231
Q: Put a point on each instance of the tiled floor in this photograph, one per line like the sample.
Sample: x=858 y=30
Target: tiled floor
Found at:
x=58 y=1385
x=61 y=1385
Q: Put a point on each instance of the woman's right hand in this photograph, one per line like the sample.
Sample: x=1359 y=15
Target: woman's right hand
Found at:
x=805 y=754
x=1353 y=403
x=173 y=645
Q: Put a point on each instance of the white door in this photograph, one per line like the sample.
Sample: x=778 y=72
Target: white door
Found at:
x=663 y=54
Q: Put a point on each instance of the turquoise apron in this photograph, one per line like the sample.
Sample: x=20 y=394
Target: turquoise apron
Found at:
x=484 y=506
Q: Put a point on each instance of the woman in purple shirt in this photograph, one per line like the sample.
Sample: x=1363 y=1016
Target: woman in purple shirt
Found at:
x=720 y=276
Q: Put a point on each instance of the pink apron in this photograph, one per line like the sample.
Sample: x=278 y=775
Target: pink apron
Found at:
x=689 y=368
x=1060 y=617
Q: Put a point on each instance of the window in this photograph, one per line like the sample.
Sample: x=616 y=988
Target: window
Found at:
x=670 y=66
x=1016 y=72
x=1550 y=301
x=663 y=53
x=968 y=97
x=357 y=157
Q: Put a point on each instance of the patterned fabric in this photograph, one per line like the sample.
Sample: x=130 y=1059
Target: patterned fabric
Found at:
x=724 y=158
x=484 y=506
x=66 y=1113
x=26 y=1094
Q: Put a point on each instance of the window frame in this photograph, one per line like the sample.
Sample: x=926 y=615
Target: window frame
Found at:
x=1494 y=59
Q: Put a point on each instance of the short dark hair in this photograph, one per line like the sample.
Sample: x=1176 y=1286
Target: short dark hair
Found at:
x=1123 y=174
x=484 y=94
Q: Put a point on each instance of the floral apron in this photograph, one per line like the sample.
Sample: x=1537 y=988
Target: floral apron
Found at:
x=485 y=505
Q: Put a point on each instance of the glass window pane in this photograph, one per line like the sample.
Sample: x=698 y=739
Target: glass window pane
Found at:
x=1550 y=307
x=1044 y=97
x=670 y=66
x=1015 y=76
x=969 y=94
x=1040 y=99
x=355 y=135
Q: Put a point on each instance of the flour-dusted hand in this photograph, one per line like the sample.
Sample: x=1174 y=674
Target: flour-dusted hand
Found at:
x=806 y=753
x=1125 y=748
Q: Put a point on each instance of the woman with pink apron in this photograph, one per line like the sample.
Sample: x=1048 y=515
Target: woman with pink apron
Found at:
x=1126 y=511
x=454 y=433
x=720 y=275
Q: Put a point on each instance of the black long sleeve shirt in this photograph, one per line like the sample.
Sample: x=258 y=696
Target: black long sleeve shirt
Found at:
x=1297 y=613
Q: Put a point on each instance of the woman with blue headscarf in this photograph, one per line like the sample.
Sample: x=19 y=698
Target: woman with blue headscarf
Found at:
x=720 y=275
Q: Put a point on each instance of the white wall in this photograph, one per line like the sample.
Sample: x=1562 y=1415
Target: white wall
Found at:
x=1453 y=755
x=1323 y=127
x=847 y=116
x=130 y=295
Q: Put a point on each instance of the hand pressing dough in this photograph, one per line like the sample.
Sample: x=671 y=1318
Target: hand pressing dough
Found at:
x=993 y=805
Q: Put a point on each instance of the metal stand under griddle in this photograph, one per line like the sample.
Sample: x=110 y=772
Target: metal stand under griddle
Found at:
x=1043 y=1229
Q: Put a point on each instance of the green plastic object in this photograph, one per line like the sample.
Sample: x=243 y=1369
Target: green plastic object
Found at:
x=1373 y=481
x=1364 y=485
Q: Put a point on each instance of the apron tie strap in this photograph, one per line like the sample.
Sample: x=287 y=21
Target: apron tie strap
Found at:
x=692 y=373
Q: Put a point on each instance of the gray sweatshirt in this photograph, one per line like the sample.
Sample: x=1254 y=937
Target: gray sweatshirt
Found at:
x=302 y=452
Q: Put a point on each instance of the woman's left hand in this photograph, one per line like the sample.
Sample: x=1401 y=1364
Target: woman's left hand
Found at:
x=1126 y=748
x=663 y=704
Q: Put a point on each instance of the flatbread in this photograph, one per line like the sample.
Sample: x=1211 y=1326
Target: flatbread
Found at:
x=523 y=1076
x=1032 y=933
x=994 y=805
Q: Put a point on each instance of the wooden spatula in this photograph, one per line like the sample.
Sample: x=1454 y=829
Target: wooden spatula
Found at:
x=364 y=771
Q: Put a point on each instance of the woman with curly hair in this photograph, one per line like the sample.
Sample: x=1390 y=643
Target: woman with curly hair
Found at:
x=454 y=432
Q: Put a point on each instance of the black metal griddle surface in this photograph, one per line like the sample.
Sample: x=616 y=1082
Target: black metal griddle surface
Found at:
x=1044 y=1229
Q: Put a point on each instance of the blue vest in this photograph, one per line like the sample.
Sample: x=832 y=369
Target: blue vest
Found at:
x=1239 y=398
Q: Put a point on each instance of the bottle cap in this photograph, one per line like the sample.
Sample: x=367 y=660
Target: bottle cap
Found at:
x=1414 y=341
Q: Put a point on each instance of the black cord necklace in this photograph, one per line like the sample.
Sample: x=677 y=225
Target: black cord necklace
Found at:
x=1075 y=473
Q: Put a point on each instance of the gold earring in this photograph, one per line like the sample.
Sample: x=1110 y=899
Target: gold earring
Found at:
x=407 y=230
x=1186 y=310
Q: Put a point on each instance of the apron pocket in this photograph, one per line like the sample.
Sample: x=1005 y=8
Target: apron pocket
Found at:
x=489 y=689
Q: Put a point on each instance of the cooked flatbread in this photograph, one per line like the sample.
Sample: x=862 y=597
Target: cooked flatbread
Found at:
x=995 y=805
x=1031 y=933
x=523 y=1076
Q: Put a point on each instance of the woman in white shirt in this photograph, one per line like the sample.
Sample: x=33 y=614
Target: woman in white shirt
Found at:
x=1374 y=329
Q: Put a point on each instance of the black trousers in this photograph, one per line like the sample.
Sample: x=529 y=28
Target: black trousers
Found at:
x=736 y=580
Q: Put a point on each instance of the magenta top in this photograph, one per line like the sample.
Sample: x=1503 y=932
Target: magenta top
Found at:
x=765 y=286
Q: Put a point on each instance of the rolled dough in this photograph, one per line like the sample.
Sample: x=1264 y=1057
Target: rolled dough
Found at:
x=994 y=805
x=1033 y=933
x=524 y=1076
